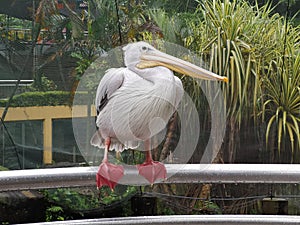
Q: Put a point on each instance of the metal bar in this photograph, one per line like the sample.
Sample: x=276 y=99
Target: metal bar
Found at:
x=187 y=219
x=177 y=173
x=13 y=85
x=15 y=81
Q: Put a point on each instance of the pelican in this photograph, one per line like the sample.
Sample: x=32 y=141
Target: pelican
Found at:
x=135 y=102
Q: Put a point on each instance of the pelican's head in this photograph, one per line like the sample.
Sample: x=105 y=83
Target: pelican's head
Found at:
x=134 y=51
x=142 y=55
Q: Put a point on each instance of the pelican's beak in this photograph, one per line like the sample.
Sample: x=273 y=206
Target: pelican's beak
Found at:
x=154 y=58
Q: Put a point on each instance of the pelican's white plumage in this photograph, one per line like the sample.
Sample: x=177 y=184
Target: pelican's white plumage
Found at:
x=135 y=104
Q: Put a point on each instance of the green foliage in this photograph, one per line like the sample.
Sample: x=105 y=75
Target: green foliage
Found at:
x=50 y=98
x=210 y=207
x=282 y=105
x=71 y=199
x=86 y=52
x=4 y=223
x=42 y=83
x=223 y=41
x=3 y=168
x=118 y=194
x=82 y=64
x=173 y=27
x=14 y=22
x=79 y=200
x=172 y=6
x=103 y=22
x=257 y=50
x=66 y=199
x=113 y=25
x=162 y=209
x=54 y=213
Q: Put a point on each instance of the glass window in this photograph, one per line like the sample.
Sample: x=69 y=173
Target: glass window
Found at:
x=22 y=144
x=64 y=149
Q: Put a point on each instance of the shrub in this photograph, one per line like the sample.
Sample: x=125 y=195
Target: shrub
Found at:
x=50 y=98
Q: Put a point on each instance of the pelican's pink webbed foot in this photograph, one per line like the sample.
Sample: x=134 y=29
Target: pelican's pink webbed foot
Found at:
x=152 y=170
x=109 y=175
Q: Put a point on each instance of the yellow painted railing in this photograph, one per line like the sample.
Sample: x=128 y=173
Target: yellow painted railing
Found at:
x=46 y=114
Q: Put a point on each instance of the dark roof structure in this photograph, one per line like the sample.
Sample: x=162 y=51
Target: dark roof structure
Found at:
x=22 y=9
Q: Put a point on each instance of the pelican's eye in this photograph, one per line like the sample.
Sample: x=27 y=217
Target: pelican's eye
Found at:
x=144 y=48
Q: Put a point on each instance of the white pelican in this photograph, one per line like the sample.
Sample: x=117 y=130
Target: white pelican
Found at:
x=135 y=102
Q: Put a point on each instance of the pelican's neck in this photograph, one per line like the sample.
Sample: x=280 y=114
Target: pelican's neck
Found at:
x=162 y=87
x=163 y=83
x=159 y=76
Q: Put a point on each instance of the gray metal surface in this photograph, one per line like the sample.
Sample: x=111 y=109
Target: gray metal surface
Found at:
x=177 y=173
x=187 y=219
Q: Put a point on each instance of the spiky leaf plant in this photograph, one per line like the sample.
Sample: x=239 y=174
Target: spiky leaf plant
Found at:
x=245 y=43
x=282 y=105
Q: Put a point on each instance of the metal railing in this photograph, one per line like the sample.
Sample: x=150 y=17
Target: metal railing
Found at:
x=177 y=173
x=187 y=219
x=7 y=86
x=189 y=173
x=12 y=83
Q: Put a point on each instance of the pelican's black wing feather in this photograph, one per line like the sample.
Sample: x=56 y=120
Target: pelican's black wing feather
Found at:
x=112 y=81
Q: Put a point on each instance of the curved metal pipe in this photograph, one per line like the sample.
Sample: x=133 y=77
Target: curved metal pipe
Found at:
x=177 y=173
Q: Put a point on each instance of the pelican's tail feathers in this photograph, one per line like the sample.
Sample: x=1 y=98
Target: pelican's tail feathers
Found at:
x=97 y=140
x=132 y=144
x=120 y=147
x=117 y=146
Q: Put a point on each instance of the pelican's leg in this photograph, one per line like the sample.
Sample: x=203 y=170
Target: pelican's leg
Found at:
x=108 y=174
x=150 y=169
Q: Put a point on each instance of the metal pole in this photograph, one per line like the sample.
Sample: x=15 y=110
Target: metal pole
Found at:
x=3 y=145
x=23 y=130
x=187 y=219
x=177 y=173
